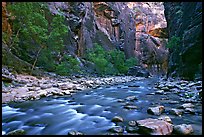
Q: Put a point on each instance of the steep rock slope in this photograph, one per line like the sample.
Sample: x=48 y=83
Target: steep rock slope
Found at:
x=151 y=36
x=108 y=23
x=184 y=20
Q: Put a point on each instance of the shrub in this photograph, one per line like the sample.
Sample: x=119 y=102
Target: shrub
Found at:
x=173 y=42
x=131 y=62
x=68 y=65
x=109 y=62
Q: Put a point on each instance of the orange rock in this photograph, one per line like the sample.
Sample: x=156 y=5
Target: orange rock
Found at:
x=6 y=27
x=155 y=127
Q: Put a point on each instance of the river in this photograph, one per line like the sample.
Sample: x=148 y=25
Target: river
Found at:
x=89 y=111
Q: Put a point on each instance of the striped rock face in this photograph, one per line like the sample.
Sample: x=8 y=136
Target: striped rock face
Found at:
x=154 y=127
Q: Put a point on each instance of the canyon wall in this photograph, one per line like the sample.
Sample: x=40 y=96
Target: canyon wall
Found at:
x=184 y=20
x=109 y=24
x=137 y=28
x=151 y=35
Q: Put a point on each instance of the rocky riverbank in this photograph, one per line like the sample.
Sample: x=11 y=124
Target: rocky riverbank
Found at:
x=26 y=87
x=21 y=87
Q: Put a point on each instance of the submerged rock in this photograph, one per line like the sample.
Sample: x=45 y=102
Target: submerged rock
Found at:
x=132 y=123
x=17 y=132
x=75 y=133
x=131 y=129
x=177 y=112
x=117 y=129
x=130 y=107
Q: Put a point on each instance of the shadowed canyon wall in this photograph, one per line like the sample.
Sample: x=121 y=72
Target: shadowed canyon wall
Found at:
x=184 y=20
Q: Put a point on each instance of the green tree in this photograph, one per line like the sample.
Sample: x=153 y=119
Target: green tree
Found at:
x=39 y=40
x=109 y=62
x=68 y=65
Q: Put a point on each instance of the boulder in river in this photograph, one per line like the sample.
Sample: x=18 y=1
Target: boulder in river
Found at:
x=183 y=129
x=155 y=110
x=117 y=119
x=154 y=127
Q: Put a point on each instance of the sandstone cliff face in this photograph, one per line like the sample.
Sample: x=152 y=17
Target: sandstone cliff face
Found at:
x=6 y=27
x=132 y=27
x=151 y=36
x=137 y=28
x=184 y=20
x=108 y=23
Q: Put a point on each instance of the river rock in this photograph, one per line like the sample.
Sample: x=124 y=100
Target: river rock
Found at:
x=170 y=86
x=183 y=129
x=166 y=118
x=189 y=110
x=133 y=85
x=155 y=127
x=121 y=100
x=187 y=105
x=188 y=100
x=131 y=129
x=177 y=112
x=132 y=123
x=17 y=132
x=155 y=110
x=89 y=83
x=66 y=92
x=67 y=86
x=131 y=98
x=130 y=107
x=165 y=88
x=21 y=90
x=6 y=97
x=161 y=92
x=45 y=86
x=117 y=129
x=42 y=93
x=75 y=133
x=117 y=119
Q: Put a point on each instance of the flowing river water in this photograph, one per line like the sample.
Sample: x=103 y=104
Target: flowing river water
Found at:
x=89 y=111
